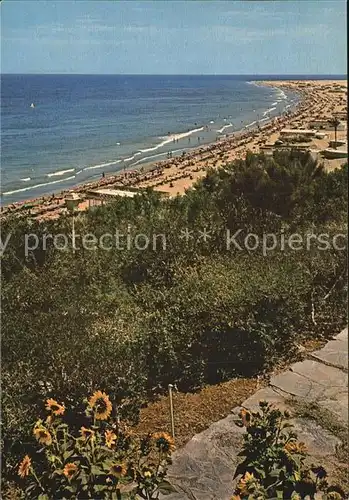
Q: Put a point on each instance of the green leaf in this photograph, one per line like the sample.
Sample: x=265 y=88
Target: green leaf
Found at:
x=99 y=487
x=96 y=471
x=72 y=489
x=275 y=473
x=83 y=478
x=67 y=454
x=166 y=488
x=31 y=487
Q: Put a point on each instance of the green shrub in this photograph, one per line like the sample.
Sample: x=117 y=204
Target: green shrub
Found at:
x=274 y=464
x=100 y=460
x=192 y=313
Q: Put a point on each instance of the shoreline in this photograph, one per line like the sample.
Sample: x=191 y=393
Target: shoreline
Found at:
x=192 y=163
x=201 y=135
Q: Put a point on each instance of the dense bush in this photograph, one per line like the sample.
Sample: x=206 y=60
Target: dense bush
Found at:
x=194 y=312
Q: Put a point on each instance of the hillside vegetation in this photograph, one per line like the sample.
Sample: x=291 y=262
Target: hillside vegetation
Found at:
x=190 y=313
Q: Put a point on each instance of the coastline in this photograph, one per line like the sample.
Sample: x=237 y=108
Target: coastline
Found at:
x=176 y=174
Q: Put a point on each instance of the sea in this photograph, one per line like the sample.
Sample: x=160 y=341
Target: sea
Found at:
x=58 y=131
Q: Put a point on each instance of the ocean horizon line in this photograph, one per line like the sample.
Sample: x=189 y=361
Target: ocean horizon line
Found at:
x=240 y=75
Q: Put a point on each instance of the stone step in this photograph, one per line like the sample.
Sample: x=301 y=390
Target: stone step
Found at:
x=204 y=468
x=335 y=353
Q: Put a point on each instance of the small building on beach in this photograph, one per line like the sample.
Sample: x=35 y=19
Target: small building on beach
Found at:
x=342 y=115
x=335 y=144
x=332 y=154
x=100 y=196
x=324 y=124
x=297 y=131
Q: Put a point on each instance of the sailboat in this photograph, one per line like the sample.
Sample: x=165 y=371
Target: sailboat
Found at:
x=32 y=105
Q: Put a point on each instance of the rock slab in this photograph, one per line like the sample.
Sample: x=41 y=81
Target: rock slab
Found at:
x=203 y=469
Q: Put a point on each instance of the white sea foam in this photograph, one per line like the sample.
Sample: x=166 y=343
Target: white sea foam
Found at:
x=183 y=149
x=268 y=111
x=61 y=172
x=145 y=158
x=275 y=103
x=171 y=138
x=250 y=124
x=38 y=185
x=101 y=165
x=264 y=119
x=225 y=126
x=25 y=179
x=148 y=157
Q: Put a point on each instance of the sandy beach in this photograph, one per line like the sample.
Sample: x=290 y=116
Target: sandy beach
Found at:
x=320 y=100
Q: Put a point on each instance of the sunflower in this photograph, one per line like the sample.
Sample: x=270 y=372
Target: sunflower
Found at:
x=244 y=483
x=147 y=472
x=70 y=469
x=246 y=417
x=24 y=466
x=87 y=433
x=118 y=470
x=101 y=405
x=164 y=441
x=43 y=436
x=294 y=447
x=56 y=408
x=110 y=438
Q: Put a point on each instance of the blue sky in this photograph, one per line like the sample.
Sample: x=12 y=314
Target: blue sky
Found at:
x=174 y=37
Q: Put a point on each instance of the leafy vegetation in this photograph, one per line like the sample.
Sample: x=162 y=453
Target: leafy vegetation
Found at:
x=193 y=311
x=274 y=464
x=103 y=461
